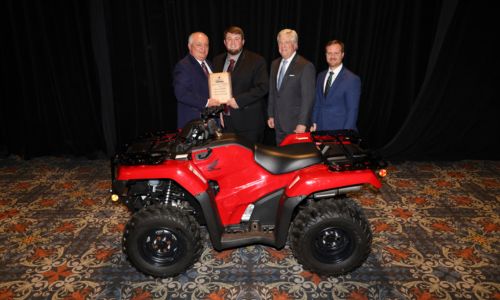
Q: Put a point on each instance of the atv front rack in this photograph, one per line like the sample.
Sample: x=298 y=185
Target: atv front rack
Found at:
x=343 y=150
x=148 y=149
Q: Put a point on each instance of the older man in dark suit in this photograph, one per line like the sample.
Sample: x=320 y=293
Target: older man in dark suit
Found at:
x=245 y=112
x=191 y=80
x=291 y=88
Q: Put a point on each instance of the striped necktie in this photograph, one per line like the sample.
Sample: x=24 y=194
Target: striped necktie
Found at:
x=328 y=83
x=204 y=67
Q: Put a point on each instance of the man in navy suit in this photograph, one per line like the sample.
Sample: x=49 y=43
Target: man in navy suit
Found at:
x=249 y=79
x=191 y=80
x=337 y=93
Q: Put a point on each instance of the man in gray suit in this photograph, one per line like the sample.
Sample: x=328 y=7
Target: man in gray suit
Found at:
x=291 y=88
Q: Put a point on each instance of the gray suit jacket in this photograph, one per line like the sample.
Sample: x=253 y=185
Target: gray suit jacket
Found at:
x=293 y=103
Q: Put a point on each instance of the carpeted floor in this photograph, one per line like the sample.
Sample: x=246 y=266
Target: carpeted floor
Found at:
x=436 y=229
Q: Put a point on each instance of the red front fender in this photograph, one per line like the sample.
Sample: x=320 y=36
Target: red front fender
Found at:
x=183 y=172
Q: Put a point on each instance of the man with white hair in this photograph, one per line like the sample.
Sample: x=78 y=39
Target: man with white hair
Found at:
x=291 y=88
x=191 y=80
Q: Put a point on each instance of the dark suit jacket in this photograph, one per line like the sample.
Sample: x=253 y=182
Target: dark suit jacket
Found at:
x=339 y=109
x=292 y=104
x=250 y=84
x=191 y=89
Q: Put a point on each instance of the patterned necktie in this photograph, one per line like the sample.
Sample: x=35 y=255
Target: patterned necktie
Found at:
x=328 y=83
x=282 y=73
x=231 y=65
x=204 y=67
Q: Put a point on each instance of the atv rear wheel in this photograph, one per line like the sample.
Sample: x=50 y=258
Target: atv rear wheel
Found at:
x=162 y=241
x=331 y=237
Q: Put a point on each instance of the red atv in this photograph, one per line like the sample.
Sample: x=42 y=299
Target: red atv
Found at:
x=244 y=194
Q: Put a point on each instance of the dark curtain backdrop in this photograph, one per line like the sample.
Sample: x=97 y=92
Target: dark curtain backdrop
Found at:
x=81 y=77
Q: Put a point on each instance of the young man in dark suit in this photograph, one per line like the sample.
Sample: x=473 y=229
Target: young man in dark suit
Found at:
x=291 y=88
x=191 y=80
x=337 y=93
x=244 y=113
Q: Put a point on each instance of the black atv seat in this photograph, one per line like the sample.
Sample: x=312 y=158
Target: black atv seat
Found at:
x=280 y=160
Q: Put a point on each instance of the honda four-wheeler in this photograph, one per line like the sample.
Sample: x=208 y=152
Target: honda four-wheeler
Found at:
x=244 y=194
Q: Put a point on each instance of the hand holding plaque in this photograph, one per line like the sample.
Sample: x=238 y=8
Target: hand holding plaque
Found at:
x=219 y=86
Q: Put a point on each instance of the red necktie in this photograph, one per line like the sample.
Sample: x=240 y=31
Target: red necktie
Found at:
x=231 y=65
x=204 y=67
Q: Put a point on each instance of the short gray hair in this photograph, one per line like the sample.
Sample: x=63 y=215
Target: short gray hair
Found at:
x=191 y=36
x=291 y=33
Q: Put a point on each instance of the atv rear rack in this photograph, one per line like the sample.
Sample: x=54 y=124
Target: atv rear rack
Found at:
x=342 y=150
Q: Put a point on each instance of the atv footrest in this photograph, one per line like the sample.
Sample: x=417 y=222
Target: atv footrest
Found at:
x=230 y=240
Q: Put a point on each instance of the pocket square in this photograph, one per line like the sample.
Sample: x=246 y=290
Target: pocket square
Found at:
x=291 y=75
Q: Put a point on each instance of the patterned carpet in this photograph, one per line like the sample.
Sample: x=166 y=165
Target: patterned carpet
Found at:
x=436 y=229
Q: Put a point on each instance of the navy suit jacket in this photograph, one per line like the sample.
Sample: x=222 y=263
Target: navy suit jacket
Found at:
x=191 y=89
x=339 y=109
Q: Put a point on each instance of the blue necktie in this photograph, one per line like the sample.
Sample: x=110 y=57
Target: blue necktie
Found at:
x=282 y=73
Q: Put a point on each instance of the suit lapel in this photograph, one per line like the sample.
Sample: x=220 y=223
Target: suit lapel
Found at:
x=219 y=64
x=337 y=81
x=197 y=66
x=274 y=69
x=335 y=84
x=210 y=64
x=239 y=61
x=321 y=85
x=289 y=70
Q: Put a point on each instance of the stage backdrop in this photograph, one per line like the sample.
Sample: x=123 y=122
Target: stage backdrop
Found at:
x=81 y=77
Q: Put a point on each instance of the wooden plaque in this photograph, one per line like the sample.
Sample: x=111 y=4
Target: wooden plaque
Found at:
x=219 y=86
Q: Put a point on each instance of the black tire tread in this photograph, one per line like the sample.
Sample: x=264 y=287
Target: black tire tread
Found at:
x=314 y=212
x=160 y=211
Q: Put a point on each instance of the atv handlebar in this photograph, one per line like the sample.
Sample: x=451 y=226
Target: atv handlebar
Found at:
x=198 y=131
x=211 y=112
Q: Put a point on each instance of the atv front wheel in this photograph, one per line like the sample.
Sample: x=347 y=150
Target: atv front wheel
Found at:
x=162 y=241
x=331 y=236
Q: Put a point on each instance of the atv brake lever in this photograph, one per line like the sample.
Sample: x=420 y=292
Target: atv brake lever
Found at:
x=204 y=155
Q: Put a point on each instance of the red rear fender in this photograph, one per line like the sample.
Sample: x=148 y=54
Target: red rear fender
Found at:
x=296 y=138
x=319 y=178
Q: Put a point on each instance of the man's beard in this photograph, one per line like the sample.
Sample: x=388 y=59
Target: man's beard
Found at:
x=234 y=52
